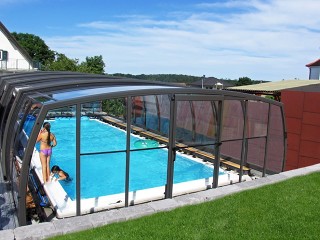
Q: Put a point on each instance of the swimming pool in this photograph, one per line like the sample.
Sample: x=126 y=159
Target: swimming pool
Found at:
x=103 y=163
x=104 y=174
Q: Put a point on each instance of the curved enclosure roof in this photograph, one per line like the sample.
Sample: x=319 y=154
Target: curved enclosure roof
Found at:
x=100 y=119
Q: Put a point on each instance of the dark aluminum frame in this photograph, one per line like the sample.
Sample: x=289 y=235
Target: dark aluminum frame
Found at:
x=176 y=94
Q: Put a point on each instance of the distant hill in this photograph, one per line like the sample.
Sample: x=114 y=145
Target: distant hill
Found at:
x=177 y=78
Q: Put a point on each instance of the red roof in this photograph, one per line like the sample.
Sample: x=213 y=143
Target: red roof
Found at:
x=315 y=63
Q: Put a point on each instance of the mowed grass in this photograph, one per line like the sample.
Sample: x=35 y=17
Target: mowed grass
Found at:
x=285 y=210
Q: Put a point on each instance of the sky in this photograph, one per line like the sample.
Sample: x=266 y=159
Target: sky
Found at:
x=267 y=40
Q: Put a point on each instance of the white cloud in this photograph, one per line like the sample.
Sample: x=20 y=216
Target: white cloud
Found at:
x=272 y=41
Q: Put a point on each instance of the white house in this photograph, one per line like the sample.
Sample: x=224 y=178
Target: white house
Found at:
x=314 y=70
x=13 y=57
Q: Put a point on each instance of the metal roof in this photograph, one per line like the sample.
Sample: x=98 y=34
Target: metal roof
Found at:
x=272 y=87
x=314 y=63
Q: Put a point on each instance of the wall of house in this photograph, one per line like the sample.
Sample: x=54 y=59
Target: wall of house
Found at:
x=16 y=61
x=314 y=72
x=303 y=126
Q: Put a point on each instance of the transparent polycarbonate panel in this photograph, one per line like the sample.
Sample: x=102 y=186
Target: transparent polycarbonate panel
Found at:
x=15 y=166
x=103 y=131
x=23 y=128
x=12 y=147
x=152 y=113
x=91 y=108
x=205 y=122
x=191 y=174
x=275 y=154
x=232 y=120
x=148 y=173
x=67 y=111
x=4 y=117
x=231 y=149
x=185 y=123
x=138 y=111
x=256 y=151
x=164 y=112
x=114 y=107
x=63 y=127
x=257 y=119
x=101 y=175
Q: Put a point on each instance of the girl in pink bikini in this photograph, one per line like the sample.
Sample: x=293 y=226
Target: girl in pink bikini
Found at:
x=47 y=141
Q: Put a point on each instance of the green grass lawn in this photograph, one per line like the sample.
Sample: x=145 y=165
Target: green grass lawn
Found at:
x=286 y=210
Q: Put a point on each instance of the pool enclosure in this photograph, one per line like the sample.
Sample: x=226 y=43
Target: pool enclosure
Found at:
x=99 y=119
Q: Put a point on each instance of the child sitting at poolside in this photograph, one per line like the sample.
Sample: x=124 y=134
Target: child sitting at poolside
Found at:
x=57 y=172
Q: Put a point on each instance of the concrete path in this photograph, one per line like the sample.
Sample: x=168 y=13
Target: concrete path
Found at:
x=69 y=225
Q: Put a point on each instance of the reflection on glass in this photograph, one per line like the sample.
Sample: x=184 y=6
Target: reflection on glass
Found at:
x=151 y=111
x=115 y=107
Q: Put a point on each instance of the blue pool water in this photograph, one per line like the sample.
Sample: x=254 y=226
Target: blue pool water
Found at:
x=104 y=174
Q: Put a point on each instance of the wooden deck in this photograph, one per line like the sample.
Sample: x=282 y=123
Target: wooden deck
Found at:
x=182 y=147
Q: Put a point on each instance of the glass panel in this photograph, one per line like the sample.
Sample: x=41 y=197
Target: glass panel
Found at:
x=196 y=136
x=185 y=123
x=164 y=112
x=138 y=111
x=4 y=112
x=101 y=175
x=257 y=119
x=232 y=120
x=148 y=150
x=148 y=174
x=115 y=108
x=231 y=150
x=21 y=124
x=275 y=154
x=205 y=125
x=62 y=161
x=152 y=113
x=15 y=165
x=256 y=152
x=103 y=140
x=24 y=126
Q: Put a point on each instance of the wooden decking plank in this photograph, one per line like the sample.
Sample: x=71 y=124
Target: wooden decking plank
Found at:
x=191 y=150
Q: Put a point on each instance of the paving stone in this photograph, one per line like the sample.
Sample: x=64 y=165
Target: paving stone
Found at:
x=73 y=224
x=190 y=199
x=295 y=173
x=106 y=217
x=255 y=183
x=276 y=178
x=163 y=205
x=36 y=231
x=136 y=211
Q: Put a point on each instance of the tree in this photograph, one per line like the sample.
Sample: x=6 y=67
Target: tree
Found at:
x=62 y=63
x=244 y=81
x=35 y=46
x=92 y=65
